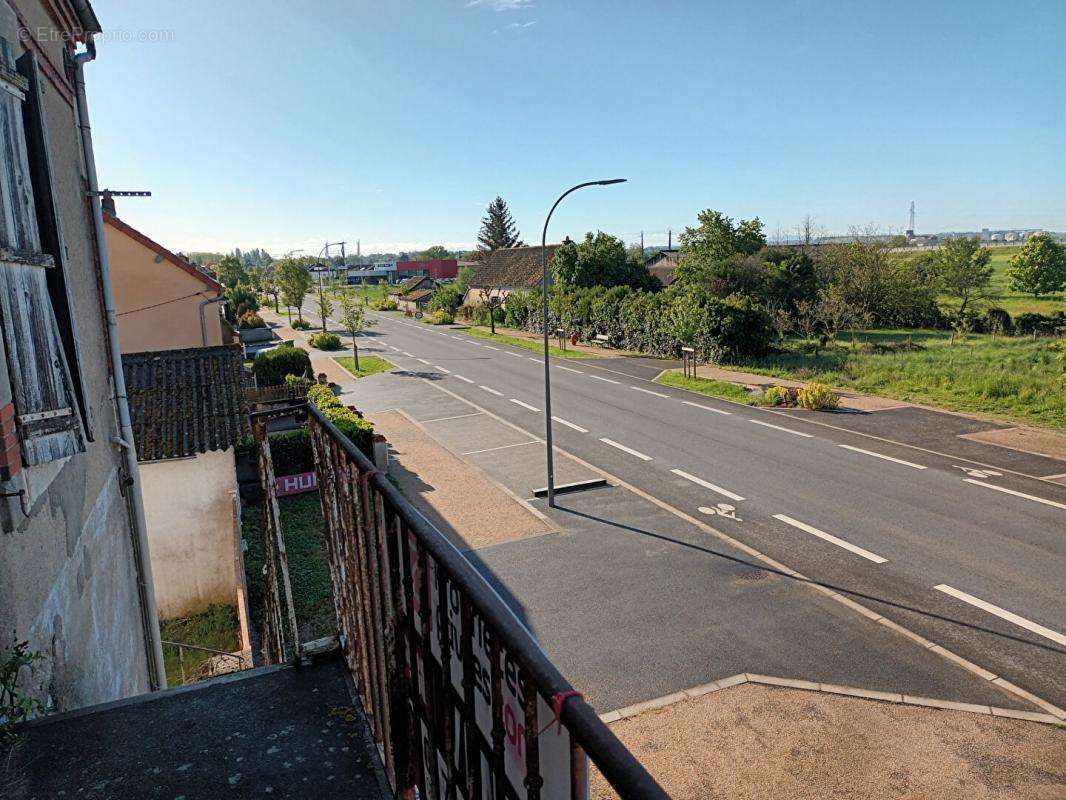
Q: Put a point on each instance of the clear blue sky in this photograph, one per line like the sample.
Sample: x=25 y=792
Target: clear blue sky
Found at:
x=281 y=124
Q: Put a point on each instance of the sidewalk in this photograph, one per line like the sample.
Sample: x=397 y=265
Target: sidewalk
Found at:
x=321 y=360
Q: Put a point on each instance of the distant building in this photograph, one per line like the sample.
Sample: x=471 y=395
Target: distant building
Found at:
x=438 y=268
x=662 y=265
x=413 y=294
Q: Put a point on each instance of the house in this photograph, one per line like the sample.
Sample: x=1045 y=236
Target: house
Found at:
x=662 y=265
x=508 y=269
x=189 y=412
x=75 y=579
x=413 y=294
x=163 y=302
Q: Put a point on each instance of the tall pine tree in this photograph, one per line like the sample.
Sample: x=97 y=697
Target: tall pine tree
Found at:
x=497 y=228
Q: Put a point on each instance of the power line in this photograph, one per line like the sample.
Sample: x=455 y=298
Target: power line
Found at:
x=157 y=305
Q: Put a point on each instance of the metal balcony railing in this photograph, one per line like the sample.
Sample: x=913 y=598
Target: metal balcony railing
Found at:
x=461 y=700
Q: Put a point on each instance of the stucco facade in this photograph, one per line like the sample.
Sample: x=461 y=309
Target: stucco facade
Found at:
x=190 y=506
x=157 y=298
x=68 y=581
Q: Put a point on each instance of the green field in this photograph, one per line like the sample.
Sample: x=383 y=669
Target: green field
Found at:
x=1013 y=302
x=712 y=388
x=368 y=365
x=1014 y=378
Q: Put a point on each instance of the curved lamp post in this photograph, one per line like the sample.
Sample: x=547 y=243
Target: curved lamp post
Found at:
x=544 y=308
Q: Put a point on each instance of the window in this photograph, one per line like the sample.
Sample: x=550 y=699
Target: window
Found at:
x=47 y=417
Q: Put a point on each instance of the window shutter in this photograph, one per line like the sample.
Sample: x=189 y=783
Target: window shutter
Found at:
x=48 y=422
x=50 y=226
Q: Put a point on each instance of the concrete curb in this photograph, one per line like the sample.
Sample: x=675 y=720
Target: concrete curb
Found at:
x=825 y=688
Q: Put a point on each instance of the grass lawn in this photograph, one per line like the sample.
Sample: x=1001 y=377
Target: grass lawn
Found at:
x=312 y=588
x=368 y=365
x=712 y=388
x=216 y=628
x=1013 y=302
x=1013 y=378
x=529 y=344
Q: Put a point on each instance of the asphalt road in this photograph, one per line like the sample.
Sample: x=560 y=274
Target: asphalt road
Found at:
x=974 y=561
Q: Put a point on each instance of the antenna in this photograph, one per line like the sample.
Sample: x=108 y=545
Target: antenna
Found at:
x=107 y=197
x=910 y=228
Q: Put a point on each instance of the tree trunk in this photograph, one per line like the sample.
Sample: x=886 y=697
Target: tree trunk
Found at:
x=492 y=320
x=355 y=354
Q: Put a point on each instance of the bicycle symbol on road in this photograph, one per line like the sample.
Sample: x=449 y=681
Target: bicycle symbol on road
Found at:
x=722 y=510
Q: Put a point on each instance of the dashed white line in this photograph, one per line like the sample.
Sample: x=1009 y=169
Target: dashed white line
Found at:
x=1054 y=477
x=442 y=369
x=1005 y=490
x=525 y=405
x=423 y=361
x=459 y=338
x=778 y=427
x=795 y=523
x=1002 y=613
x=534 y=358
x=490 y=347
x=394 y=347
x=706 y=408
x=625 y=449
x=569 y=424
x=708 y=485
x=457 y=416
x=569 y=369
x=490 y=390
x=881 y=455
x=515 y=355
x=409 y=355
x=605 y=380
x=460 y=377
x=649 y=391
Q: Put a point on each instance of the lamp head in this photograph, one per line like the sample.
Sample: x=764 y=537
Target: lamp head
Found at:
x=609 y=182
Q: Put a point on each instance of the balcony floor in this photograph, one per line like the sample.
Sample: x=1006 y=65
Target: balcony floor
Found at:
x=270 y=732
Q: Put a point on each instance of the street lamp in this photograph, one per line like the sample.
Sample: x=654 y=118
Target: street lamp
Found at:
x=544 y=308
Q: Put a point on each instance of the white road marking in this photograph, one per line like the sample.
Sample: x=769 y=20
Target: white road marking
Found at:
x=649 y=391
x=538 y=360
x=569 y=369
x=708 y=485
x=786 y=430
x=490 y=347
x=394 y=347
x=880 y=455
x=459 y=338
x=707 y=408
x=605 y=380
x=832 y=539
x=501 y=447
x=442 y=369
x=460 y=377
x=423 y=361
x=490 y=390
x=512 y=354
x=1054 y=477
x=525 y=405
x=457 y=416
x=1043 y=500
x=1002 y=613
x=409 y=355
x=625 y=449
x=569 y=424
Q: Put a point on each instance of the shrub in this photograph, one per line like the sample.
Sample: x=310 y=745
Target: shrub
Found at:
x=358 y=430
x=249 y=320
x=300 y=325
x=998 y=319
x=291 y=452
x=776 y=396
x=466 y=311
x=816 y=396
x=384 y=304
x=1030 y=324
x=441 y=318
x=326 y=341
x=271 y=366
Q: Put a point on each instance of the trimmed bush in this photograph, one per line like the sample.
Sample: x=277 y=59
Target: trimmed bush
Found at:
x=324 y=340
x=358 y=430
x=817 y=396
x=250 y=320
x=300 y=325
x=271 y=366
x=291 y=452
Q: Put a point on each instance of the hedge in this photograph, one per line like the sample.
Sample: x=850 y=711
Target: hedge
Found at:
x=271 y=366
x=358 y=430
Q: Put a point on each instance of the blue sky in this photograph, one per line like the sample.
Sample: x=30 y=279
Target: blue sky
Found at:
x=281 y=124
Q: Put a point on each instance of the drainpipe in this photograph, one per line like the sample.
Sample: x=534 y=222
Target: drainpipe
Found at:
x=145 y=585
x=203 y=318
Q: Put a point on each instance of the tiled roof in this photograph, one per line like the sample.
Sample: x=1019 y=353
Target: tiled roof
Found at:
x=515 y=267
x=409 y=284
x=185 y=402
x=418 y=294
x=662 y=265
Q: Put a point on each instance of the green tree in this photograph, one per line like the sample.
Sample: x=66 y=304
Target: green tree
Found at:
x=1039 y=266
x=294 y=283
x=354 y=320
x=445 y=298
x=433 y=253
x=230 y=271
x=324 y=304
x=963 y=271
x=599 y=260
x=716 y=238
x=463 y=280
x=497 y=228
x=493 y=303
x=268 y=281
x=683 y=318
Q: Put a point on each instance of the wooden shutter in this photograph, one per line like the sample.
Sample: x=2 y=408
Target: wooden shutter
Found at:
x=48 y=421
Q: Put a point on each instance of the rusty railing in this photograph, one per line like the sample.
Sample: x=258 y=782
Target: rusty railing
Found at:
x=462 y=702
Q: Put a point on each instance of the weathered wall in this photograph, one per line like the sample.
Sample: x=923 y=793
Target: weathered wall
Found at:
x=67 y=577
x=190 y=507
x=153 y=302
